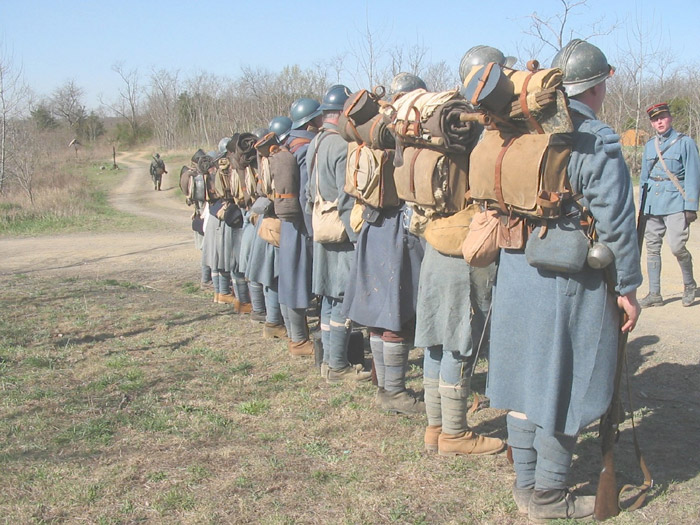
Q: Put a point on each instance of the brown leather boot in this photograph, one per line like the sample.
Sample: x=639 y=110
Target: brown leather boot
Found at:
x=226 y=298
x=216 y=297
x=468 y=444
x=277 y=331
x=302 y=348
x=401 y=403
x=241 y=308
x=432 y=433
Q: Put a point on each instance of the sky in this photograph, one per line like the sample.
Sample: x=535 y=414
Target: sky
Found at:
x=55 y=42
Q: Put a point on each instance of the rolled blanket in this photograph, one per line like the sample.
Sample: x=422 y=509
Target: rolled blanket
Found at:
x=242 y=148
x=445 y=123
x=374 y=133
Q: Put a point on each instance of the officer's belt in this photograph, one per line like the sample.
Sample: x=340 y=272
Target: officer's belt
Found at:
x=662 y=179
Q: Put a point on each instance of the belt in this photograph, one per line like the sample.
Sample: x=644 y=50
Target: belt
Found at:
x=660 y=179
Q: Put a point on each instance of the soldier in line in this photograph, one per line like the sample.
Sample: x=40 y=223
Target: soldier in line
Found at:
x=555 y=375
x=326 y=158
x=381 y=290
x=452 y=299
x=671 y=174
x=263 y=268
x=157 y=169
x=296 y=238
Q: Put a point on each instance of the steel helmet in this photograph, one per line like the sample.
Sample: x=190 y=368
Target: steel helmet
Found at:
x=304 y=110
x=405 y=82
x=260 y=132
x=583 y=65
x=482 y=55
x=335 y=97
x=281 y=126
x=222 y=144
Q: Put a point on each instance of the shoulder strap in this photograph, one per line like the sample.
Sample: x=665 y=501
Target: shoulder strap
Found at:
x=321 y=136
x=297 y=143
x=666 y=148
x=660 y=156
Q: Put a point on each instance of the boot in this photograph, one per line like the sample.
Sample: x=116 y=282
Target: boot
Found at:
x=688 y=294
x=468 y=443
x=241 y=308
x=548 y=505
x=400 y=403
x=302 y=348
x=216 y=297
x=651 y=299
x=258 y=316
x=349 y=373
x=432 y=434
x=226 y=298
x=522 y=498
x=277 y=331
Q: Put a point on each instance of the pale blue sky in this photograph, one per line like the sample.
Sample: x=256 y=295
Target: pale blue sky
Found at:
x=55 y=41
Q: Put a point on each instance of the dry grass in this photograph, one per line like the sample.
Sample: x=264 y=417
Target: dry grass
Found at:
x=125 y=404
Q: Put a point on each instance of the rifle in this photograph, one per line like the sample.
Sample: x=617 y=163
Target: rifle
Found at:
x=608 y=499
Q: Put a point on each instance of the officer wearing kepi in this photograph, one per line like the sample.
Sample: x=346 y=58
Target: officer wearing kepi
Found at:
x=671 y=176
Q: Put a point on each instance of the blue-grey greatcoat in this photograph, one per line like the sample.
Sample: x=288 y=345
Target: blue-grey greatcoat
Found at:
x=383 y=285
x=443 y=310
x=331 y=261
x=248 y=235
x=262 y=260
x=218 y=240
x=663 y=198
x=296 y=245
x=554 y=335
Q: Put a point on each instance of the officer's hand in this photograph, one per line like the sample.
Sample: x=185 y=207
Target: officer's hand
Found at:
x=628 y=303
x=690 y=216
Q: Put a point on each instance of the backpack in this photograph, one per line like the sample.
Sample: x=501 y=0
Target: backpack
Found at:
x=286 y=180
x=369 y=176
x=519 y=166
x=265 y=147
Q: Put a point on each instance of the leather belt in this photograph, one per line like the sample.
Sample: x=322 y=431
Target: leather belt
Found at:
x=661 y=179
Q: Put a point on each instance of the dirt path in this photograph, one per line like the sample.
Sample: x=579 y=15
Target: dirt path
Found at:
x=163 y=257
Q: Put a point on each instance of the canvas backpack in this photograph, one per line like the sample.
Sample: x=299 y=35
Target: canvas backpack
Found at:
x=519 y=166
x=286 y=180
x=369 y=176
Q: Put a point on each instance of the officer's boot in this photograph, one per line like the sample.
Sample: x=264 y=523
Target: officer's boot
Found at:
x=689 y=286
x=653 y=298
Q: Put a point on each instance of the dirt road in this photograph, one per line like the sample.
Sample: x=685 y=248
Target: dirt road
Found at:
x=162 y=257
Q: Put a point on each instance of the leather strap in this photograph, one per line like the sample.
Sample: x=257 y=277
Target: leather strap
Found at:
x=482 y=83
x=412 y=179
x=285 y=195
x=497 y=183
x=671 y=176
x=523 y=105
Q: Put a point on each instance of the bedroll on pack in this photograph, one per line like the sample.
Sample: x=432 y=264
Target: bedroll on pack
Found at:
x=362 y=122
x=433 y=120
x=369 y=176
x=433 y=180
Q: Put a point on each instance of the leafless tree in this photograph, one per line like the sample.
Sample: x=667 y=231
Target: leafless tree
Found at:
x=128 y=103
x=67 y=103
x=162 y=106
x=552 y=32
x=13 y=93
x=368 y=52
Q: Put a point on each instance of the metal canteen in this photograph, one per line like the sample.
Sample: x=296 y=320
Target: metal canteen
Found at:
x=599 y=256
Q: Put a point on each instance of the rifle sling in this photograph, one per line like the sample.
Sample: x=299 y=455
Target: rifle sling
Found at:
x=643 y=489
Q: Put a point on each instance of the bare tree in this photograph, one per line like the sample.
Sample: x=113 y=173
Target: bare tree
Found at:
x=12 y=94
x=128 y=104
x=162 y=106
x=368 y=52
x=67 y=103
x=552 y=32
